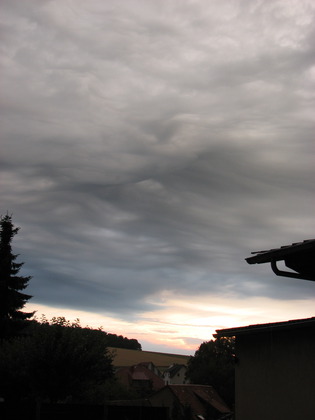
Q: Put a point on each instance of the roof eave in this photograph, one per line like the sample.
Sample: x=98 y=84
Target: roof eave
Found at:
x=298 y=256
x=261 y=328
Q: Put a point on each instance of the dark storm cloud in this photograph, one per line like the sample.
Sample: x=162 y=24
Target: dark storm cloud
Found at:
x=151 y=147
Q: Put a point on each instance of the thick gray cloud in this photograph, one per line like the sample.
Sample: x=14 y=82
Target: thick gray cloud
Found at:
x=151 y=146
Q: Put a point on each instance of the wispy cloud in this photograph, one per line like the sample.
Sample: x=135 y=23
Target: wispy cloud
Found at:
x=149 y=147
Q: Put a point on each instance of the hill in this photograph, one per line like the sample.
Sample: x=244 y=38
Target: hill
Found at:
x=126 y=357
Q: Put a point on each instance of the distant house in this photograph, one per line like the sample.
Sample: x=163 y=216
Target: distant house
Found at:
x=175 y=374
x=193 y=402
x=140 y=378
x=275 y=370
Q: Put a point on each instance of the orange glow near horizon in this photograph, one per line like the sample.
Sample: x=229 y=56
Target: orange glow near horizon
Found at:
x=182 y=324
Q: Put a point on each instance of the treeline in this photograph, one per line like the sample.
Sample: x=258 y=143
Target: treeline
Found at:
x=59 y=361
x=12 y=298
x=110 y=340
x=49 y=361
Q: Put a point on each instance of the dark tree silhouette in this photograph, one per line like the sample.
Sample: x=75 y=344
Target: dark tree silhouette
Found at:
x=12 y=299
x=56 y=361
x=214 y=364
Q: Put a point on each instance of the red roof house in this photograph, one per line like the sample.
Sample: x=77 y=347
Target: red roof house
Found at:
x=141 y=378
x=196 y=402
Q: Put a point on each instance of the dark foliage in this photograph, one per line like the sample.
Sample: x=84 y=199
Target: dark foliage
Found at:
x=12 y=299
x=55 y=362
x=48 y=411
x=110 y=340
x=121 y=342
x=214 y=364
x=58 y=360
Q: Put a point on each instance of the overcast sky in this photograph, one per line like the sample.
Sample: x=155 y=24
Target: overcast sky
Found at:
x=148 y=147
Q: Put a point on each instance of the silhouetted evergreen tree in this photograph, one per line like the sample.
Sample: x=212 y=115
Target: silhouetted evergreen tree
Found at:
x=12 y=299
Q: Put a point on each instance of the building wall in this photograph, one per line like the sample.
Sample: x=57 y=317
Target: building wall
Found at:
x=163 y=398
x=177 y=379
x=180 y=376
x=275 y=375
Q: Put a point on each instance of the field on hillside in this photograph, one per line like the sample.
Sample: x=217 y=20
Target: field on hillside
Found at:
x=125 y=357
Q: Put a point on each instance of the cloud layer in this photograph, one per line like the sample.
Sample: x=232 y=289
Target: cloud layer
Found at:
x=149 y=147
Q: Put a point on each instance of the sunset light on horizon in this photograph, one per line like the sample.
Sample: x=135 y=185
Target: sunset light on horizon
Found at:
x=148 y=148
x=186 y=325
